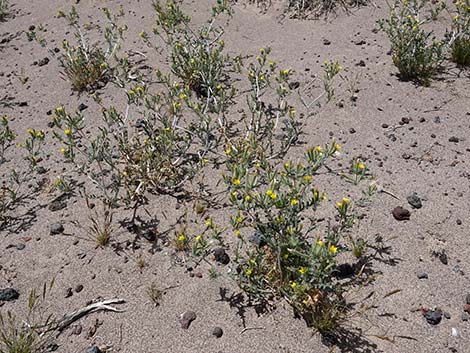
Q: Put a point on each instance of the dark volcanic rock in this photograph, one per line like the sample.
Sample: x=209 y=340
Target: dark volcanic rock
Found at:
x=8 y=294
x=401 y=214
x=414 y=201
x=221 y=256
x=57 y=228
x=217 y=332
x=433 y=317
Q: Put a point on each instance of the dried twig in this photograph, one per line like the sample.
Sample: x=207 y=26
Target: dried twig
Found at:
x=104 y=305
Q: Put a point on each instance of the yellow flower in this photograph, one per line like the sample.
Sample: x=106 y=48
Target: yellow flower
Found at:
x=293 y=285
x=361 y=166
x=237 y=232
x=247 y=198
x=269 y=192
x=59 y=109
x=303 y=270
x=273 y=196
x=320 y=242
x=181 y=238
x=333 y=249
x=323 y=196
x=319 y=148
x=30 y=131
x=199 y=237
x=236 y=182
x=183 y=96
x=249 y=272
x=336 y=146
x=228 y=151
x=339 y=204
x=286 y=71
x=345 y=200
x=279 y=219
x=209 y=222
x=239 y=219
x=258 y=165
x=308 y=179
x=67 y=131
x=142 y=34
x=294 y=202
x=285 y=256
x=219 y=87
x=63 y=150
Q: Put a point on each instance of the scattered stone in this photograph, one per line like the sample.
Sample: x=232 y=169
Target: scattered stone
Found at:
x=68 y=292
x=57 y=205
x=78 y=288
x=455 y=332
x=465 y=317
x=466 y=308
x=423 y=275
x=352 y=130
x=326 y=42
x=433 y=317
x=401 y=214
x=384 y=126
x=443 y=258
x=43 y=62
x=82 y=107
x=447 y=315
x=217 y=332
x=198 y=274
x=467 y=299
x=8 y=294
x=57 y=228
x=454 y=139
x=186 y=318
x=414 y=200
x=459 y=222
x=94 y=349
x=20 y=246
x=221 y=256
x=406 y=156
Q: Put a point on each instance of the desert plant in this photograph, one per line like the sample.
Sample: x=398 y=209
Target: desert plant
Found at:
x=33 y=146
x=331 y=69
x=4 y=9
x=87 y=65
x=415 y=51
x=459 y=34
x=277 y=256
x=7 y=136
x=315 y=8
x=30 y=335
x=197 y=55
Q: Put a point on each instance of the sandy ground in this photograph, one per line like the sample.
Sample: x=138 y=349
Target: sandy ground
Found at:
x=416 y=156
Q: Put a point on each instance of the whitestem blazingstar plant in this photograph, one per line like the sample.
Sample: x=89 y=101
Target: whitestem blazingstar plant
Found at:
x=459 y=34
x=87 y=65
x=415 y=51
x=278 y=255
x=7 y=136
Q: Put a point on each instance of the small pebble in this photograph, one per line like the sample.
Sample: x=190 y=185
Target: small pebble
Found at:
x=423 y=275
x=8 y=294
x=78 y=288
x=56 y=228
x=217 y=332
x=401 y=214
x=186 y=318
